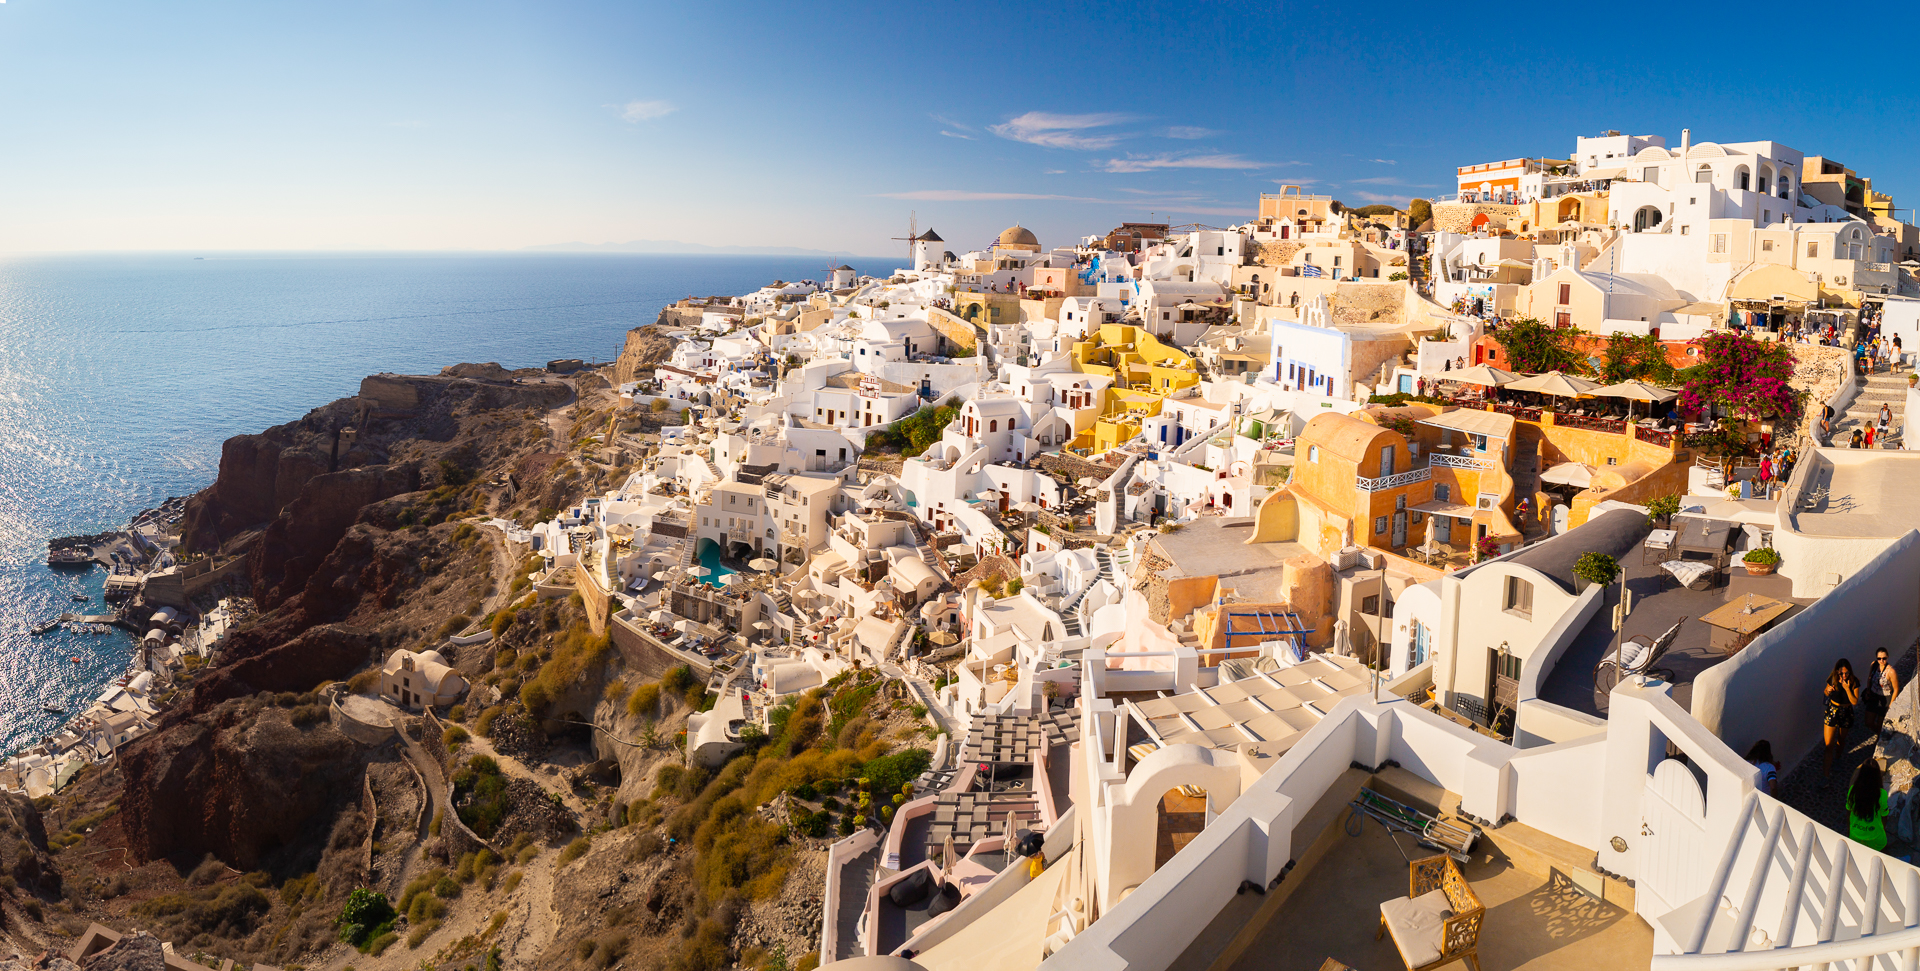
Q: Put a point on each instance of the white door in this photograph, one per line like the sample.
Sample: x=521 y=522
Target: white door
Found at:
x=1673 y=836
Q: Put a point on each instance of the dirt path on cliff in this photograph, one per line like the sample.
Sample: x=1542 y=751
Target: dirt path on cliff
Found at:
x=518 y=769
x=558 y=424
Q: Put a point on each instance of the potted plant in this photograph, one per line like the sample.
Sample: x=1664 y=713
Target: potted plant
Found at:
x=1595 y=568
x=1762 y=561
x=1662 y=510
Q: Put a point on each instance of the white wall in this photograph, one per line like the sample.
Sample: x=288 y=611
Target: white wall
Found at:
x=1771 y=689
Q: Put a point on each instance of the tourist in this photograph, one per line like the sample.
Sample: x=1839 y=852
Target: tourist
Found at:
x=1883 y=685
x=1869 y=436
x=1886 y=417
x=1761 y=755
x=1867 y=807
x=1766 y=476
x=1841 y=693
x=1856 y=439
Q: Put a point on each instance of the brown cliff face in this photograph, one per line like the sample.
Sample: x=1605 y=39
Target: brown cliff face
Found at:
x=241 y=783
x=644 y=348
x=311 y=524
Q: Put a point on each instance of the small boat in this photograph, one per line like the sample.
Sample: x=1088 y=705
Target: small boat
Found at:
x=74 y=660
x=80 y=598
x=39 y=629
x=51 y=710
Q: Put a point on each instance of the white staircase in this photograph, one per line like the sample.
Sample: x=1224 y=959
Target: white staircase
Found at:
x=1791 y=893
x=1886 y=388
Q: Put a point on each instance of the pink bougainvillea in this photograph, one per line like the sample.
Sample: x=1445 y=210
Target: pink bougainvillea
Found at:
x=1744 y=377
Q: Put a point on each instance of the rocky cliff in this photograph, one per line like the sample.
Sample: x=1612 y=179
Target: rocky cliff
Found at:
x=644 y=348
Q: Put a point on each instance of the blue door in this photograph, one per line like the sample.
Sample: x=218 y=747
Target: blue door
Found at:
x=1406 y=384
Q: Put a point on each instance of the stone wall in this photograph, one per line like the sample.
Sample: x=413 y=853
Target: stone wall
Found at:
x=389 y=394
x=642 y=654
x=1275 y=252
x=1364 y=303
x=1457 y=217
x=957 y=331
x=596 y=600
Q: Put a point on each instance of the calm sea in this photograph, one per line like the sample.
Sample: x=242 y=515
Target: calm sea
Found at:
x=120 y=375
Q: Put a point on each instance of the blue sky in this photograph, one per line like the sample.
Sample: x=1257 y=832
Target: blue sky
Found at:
x=487 y=125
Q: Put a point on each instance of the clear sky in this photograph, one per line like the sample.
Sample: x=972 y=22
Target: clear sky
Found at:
x=491 y=125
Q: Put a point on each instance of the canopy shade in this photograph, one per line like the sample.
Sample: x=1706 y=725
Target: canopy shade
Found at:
x=1637 y=391
x=1569 y=473
x=1492 y=424
x=1481 y=374
x=1555 y=383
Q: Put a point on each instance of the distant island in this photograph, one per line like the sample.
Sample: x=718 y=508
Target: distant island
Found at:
x=676 y=246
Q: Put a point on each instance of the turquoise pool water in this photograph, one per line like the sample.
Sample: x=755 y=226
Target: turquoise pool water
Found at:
x=710 y=558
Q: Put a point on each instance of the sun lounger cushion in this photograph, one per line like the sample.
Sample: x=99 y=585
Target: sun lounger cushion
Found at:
x=1688 y=572
x=1633 y=653
x=1417 y=924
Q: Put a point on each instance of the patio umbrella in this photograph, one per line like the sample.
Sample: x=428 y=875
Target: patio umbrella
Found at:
x=1556 y=384
x=883 y=595
x=662 y=576
x=1636 y=391
x=943 y=638
x=763 y=563
x=699 y=571
x=1485 y=375
x=762 y=625
x=1569 y=473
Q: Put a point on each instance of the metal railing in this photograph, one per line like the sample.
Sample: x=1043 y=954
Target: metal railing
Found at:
x=1446 y=461
x=1394 y=481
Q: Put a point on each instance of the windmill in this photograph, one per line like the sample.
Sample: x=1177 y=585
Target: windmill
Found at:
x=913 y=235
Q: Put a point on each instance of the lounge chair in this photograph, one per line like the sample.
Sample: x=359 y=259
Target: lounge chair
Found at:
x=1438 y=921
x=1634 y=657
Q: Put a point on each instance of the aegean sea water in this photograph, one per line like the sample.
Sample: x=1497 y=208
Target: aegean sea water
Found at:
x=121 y=374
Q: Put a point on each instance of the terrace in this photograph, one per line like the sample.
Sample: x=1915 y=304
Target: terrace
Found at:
x=1658 y=603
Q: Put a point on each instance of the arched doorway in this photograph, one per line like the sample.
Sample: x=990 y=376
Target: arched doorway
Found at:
x=1645 y=218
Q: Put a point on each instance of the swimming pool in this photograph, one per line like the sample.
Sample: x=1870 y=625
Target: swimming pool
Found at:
x=710 y=558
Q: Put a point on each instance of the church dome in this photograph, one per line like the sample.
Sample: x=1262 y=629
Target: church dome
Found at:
x=1018 y=237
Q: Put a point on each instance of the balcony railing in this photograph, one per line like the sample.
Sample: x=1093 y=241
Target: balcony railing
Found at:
x=1468 y=462
x=1394 y=481
x=1657 y=436
x=1614 y=425
x=1521 y=412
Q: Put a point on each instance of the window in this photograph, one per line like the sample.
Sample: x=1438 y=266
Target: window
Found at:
x=1418 y=645
x=1313 y=453
x=1379 y=525
x=1566 y=293
x=1370 y=605
x=1519 y=599
x=1813 y=250
x=1685 y=230
x=1766 y=246
x=1719 y=242
x=1651 y=174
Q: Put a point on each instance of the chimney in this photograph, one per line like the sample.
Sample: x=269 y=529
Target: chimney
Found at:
x=1686 y=141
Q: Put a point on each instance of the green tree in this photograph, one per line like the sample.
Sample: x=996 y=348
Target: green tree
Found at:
x=1533 y=346
x=1418 y=212
x=1629 y=358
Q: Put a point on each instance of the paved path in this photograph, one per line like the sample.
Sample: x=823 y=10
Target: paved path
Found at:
x=515 y=768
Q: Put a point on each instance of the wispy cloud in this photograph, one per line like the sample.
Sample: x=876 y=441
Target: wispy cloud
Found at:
x=950 y=123
x=1061 y=131
x=1294 y=181
x=1384 y=161
x=1387 y=180
x=1381 y=197
x=963 y=195
x=1054 y=172
x=638 y=111
x=1189 y=132
x=955 y=134
x=1147 y=163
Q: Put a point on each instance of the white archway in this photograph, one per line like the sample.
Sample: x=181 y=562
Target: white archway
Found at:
x=1134 y=817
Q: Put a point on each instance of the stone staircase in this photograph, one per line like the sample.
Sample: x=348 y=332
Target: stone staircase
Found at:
x=1109 y=571
x=1887 y=388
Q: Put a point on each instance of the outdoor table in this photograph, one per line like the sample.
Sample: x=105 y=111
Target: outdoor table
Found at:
x=1700 y=535
x=1736 y=623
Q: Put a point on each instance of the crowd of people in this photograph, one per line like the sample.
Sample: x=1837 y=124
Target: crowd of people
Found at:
x=1842 y=696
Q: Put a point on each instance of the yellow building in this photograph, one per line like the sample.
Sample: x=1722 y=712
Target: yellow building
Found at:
x=1144 y=372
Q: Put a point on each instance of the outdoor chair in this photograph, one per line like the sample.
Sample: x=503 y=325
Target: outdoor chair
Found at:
x=1438 y=921
x=1634 y=657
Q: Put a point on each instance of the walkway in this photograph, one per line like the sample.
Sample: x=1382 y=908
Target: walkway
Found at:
x=514 y=768
x=857 y=877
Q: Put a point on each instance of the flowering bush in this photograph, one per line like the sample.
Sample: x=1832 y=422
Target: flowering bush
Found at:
x=1744 y=377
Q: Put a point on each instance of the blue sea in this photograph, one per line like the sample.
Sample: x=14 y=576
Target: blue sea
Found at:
x=120 y=375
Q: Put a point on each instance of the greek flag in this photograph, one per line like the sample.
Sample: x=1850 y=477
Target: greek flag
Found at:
x=1308 y=269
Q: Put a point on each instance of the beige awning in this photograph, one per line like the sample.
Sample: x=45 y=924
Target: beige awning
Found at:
x=1439 y=508
x=1481 y=374
x=1699 y=310
x=1555 y=383
x=1637 y=391
x=1569 y=473
x=1492 y=424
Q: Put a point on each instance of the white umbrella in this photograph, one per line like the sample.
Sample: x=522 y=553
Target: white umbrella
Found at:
x=699 y=571
x=943 y=638
x=883 y=595
x=1482 y=374
x=763 y=563
x=683 y=626
x=1028 y=506
x=1556 y=384
x=662 y=576
x=1636 y=391
x=1569 y=473
x=806 y=593
x=762 y=625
